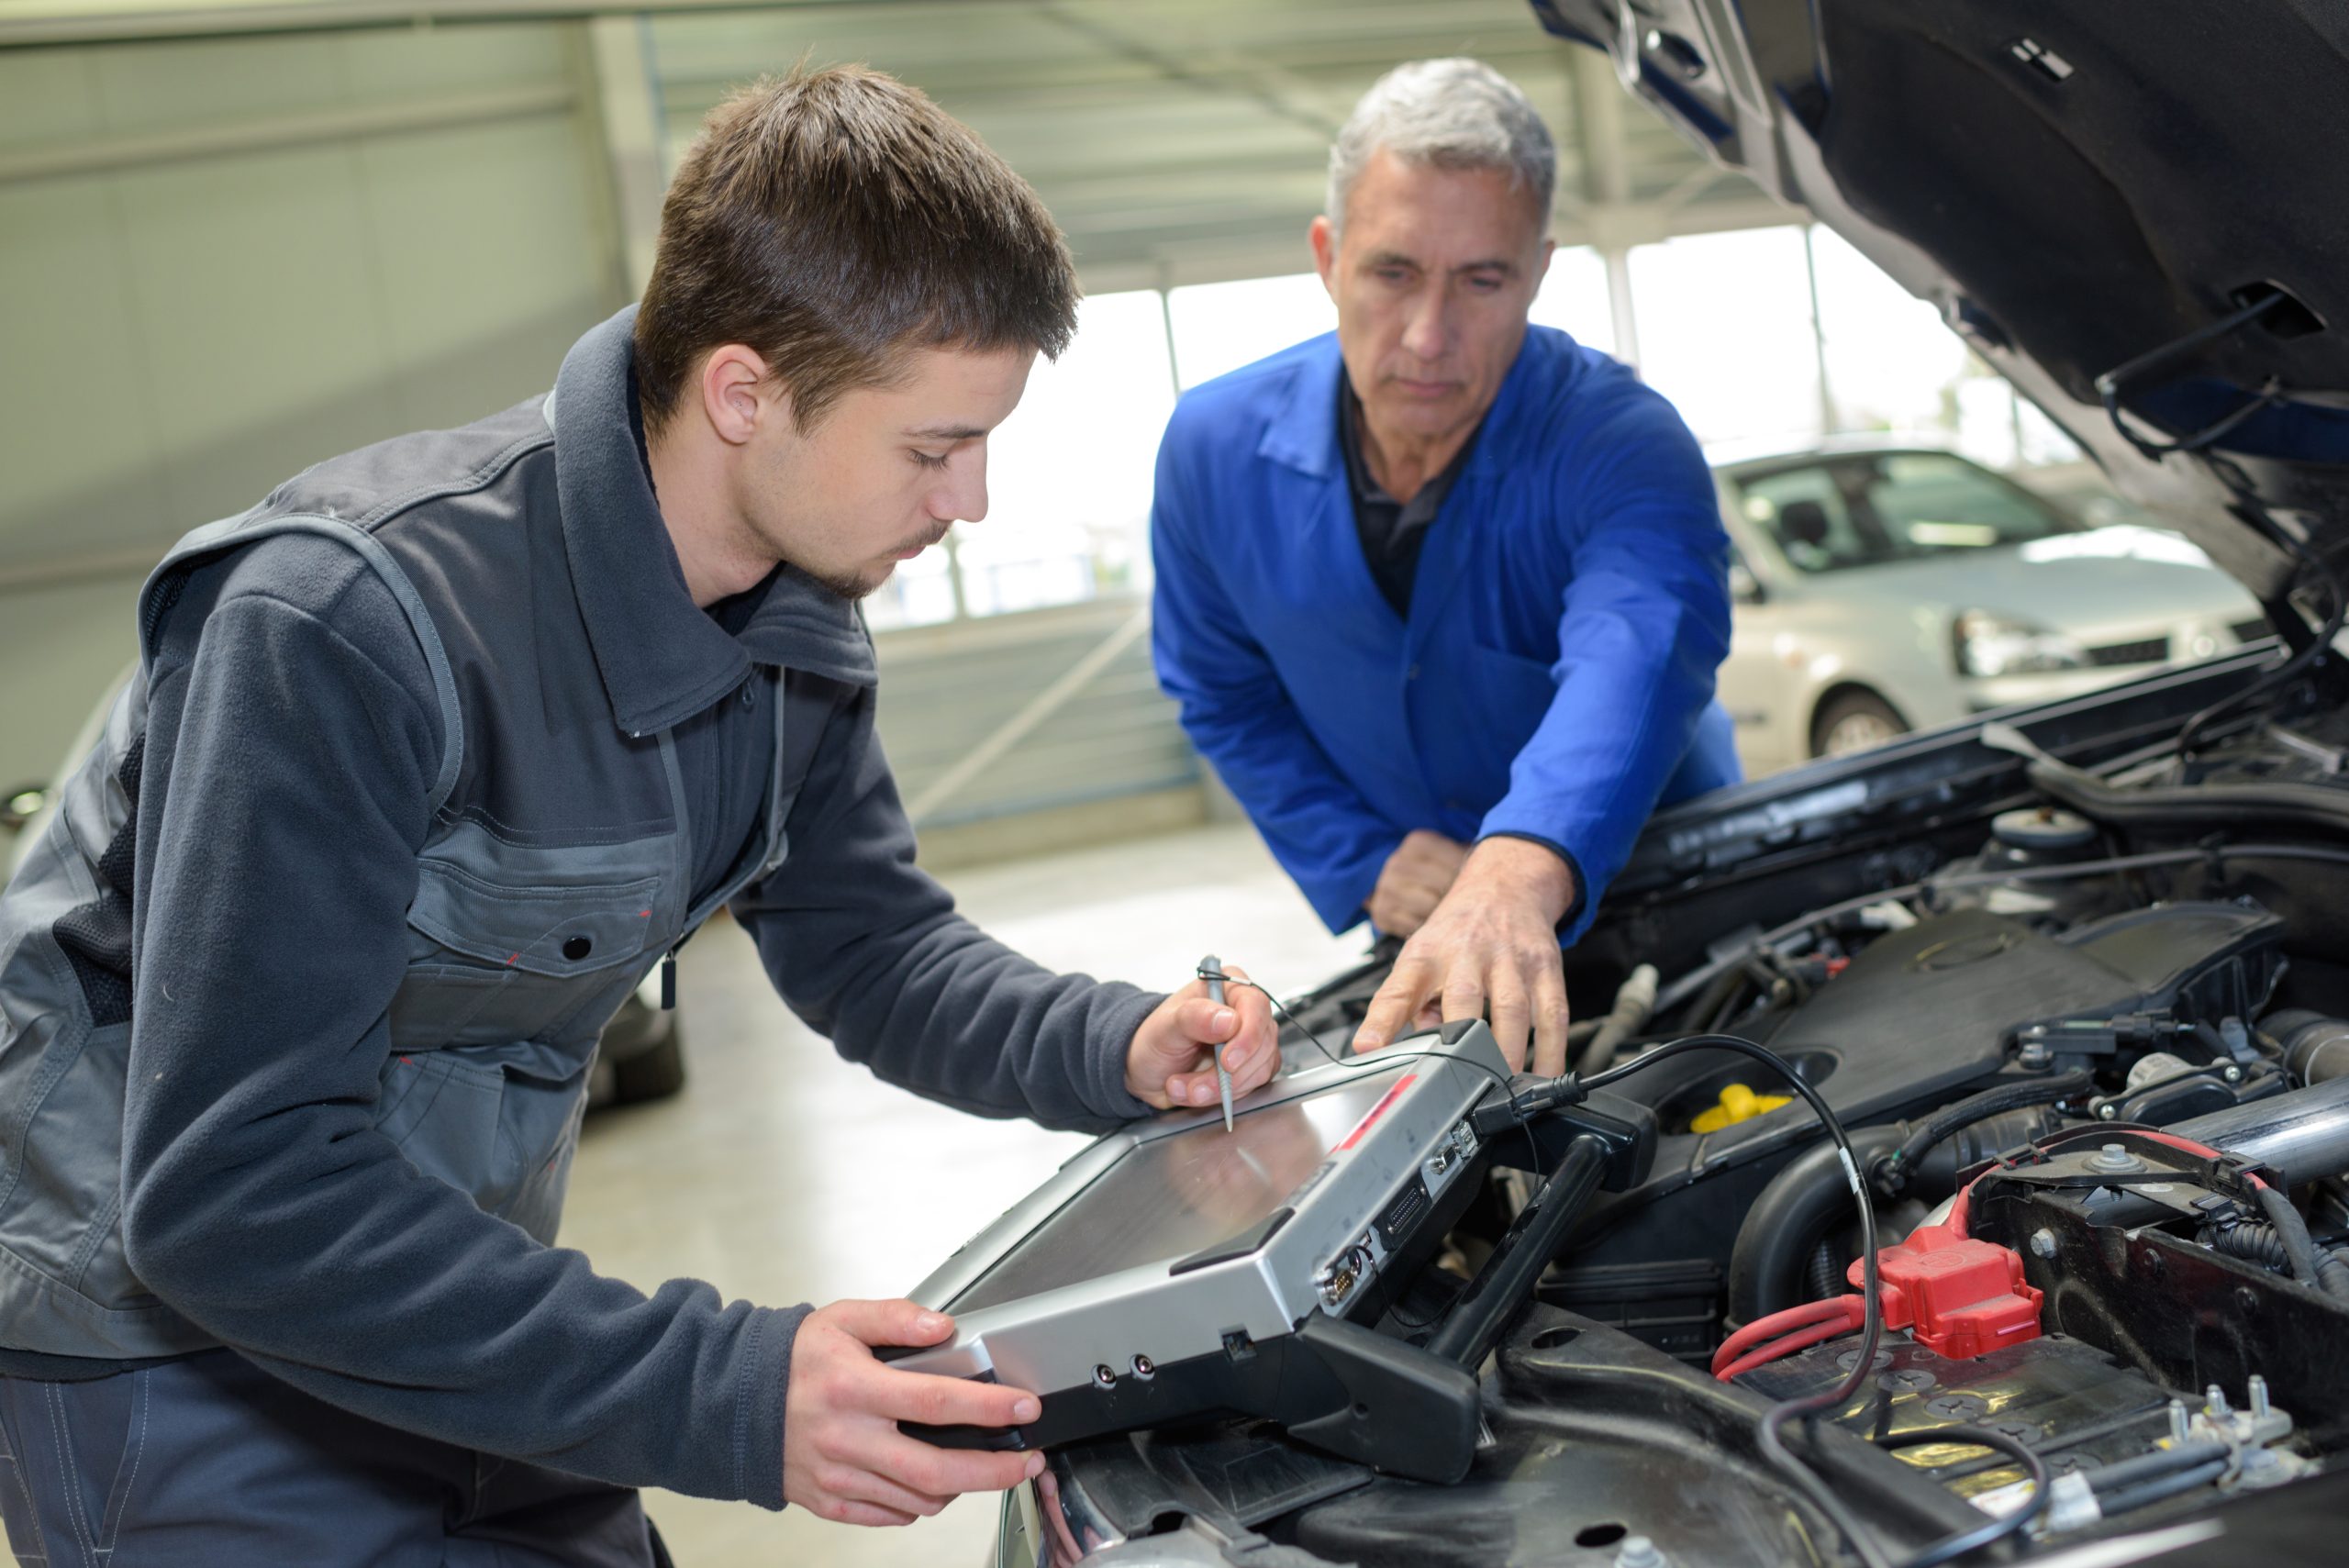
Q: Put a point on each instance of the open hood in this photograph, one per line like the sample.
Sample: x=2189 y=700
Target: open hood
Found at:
x=2139 y=208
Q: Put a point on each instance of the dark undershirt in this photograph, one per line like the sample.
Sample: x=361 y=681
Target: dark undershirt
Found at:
x=1391 y=531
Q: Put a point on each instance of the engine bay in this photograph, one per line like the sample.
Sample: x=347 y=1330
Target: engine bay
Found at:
x=2089 y=1038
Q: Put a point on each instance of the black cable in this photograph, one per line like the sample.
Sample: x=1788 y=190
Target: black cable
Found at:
x=1996 y=1529
x=2293 y=1233
x=1370 y=1060
x=1893 y=1174
x=2253 y=1243
x=2146 y=1492
x=2284 y=674
x=2112 y=382
x=1766 y=1430
x=2304 y=658
x=2160 y=1461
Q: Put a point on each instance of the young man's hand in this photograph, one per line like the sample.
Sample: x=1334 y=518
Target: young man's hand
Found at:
x=1172 y=1060
x=1489 y=951
x=1414 y=881
x=844 y=1458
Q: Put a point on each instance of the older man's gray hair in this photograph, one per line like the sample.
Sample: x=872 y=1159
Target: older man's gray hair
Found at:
x=1452 y=114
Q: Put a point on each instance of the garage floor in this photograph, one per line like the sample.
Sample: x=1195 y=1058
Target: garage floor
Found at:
x=784 y=1174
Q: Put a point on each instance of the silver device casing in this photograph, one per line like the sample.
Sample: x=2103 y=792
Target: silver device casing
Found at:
x=1146 y=1315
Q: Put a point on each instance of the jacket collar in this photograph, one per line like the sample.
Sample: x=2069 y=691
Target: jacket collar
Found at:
x=1303 y=432
x=662 y=659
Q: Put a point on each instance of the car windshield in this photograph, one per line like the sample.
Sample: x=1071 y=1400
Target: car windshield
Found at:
x=1867 y=511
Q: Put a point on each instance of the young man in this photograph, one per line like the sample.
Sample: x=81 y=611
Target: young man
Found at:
x=431 y=756
x=1442 y=596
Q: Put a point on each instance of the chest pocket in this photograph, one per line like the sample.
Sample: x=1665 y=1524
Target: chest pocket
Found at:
x=508 y=963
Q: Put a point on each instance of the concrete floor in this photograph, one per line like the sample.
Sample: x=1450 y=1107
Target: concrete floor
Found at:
x=784 y=1174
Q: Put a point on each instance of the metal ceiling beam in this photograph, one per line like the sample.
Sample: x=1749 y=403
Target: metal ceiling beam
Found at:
x=108 y=154
x=44 y=22
x=1223 y=74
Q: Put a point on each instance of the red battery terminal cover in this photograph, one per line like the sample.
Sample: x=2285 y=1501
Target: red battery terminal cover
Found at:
x=1958 y=1298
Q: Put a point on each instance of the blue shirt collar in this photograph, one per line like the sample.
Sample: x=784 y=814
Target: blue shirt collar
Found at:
x=1303 y=432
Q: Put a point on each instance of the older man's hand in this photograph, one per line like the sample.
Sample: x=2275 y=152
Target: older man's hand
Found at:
x=1414 y=881
x=1489 y=951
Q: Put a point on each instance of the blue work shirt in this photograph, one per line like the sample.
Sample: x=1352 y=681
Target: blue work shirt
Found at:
x=1554 y=678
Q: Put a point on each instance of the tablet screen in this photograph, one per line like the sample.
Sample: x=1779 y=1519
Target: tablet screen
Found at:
x=1173 y=1197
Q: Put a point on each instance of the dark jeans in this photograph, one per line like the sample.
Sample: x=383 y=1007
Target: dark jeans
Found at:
x=210 y=1462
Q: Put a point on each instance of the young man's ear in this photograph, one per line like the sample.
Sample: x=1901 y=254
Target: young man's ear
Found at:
x=737 y=394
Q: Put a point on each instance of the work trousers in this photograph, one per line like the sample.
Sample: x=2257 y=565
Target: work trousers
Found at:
x=210 y=1462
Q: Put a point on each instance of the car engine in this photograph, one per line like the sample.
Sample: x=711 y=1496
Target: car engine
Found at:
x=2087 y=1022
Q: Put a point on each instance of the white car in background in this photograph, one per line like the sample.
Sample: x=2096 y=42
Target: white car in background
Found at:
x=1879 y=591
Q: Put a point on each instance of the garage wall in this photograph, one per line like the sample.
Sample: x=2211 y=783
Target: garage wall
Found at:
x=222 y=260
x=228 y=252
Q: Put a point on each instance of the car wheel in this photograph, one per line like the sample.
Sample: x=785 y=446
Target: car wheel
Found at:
x=1854 y=721
x=651 y=1074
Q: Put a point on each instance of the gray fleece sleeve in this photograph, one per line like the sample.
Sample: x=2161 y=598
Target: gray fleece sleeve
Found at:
x=290 y=757
x=869 y=950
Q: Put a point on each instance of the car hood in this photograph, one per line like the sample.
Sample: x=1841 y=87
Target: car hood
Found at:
x=2107 y=581
x=2077 y=188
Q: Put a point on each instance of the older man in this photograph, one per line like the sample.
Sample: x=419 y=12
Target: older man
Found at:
x=1441 y=595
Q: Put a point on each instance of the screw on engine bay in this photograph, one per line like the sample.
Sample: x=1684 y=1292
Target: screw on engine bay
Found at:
x=2114 y=1157
x=2108 y=1111
x=2214 y=1403
x=2181 y=1424
x=2043 y=1242
x=1639 y=1552
x=2232 y=1074
x=2258 y=1392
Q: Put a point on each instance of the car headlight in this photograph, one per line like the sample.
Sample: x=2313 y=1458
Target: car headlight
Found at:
x=1987 y=644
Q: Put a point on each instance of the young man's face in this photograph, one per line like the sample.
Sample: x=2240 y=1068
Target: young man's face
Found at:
x=887 y=471
x=1432 y=275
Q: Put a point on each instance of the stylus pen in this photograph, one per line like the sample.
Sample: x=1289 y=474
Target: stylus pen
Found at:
x=1212 y=967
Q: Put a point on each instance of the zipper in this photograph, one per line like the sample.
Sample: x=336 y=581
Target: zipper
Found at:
x=760 y=865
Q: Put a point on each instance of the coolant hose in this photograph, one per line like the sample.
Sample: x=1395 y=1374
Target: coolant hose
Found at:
x=2187 y=805
x=1769 y=1267
x=1895 y=1172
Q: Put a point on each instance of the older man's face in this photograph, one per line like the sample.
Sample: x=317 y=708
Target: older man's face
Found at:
x=1432 y=275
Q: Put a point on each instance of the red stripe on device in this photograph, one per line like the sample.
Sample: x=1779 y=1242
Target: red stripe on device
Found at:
x=1385 y=1100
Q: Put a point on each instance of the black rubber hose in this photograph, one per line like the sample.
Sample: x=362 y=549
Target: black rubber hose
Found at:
x=2292 y=1231
x=2253 y=1244
x=1893 y=1174
x=2161 y=1462
x=1821 y=1275
x=2154 y=1491
x=1769 y=1267
x=1717 y=994
x=2188 y=806
x=2332 y=1273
